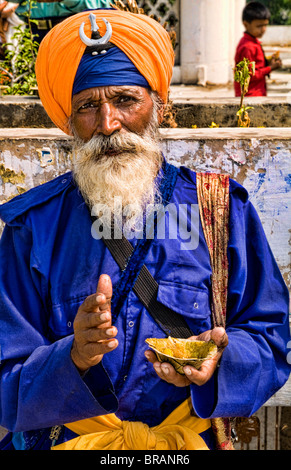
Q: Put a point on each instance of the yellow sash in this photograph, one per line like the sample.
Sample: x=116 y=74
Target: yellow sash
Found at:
x=179 y=431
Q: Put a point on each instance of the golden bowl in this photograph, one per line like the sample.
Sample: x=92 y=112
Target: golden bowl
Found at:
x=181 y=352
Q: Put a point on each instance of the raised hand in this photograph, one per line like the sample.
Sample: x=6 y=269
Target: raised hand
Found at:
x=93 y=330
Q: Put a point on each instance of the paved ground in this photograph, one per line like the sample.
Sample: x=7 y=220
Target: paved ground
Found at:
x=279 y=83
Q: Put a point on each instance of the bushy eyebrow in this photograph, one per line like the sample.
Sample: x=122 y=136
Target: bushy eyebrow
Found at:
x=112 y=93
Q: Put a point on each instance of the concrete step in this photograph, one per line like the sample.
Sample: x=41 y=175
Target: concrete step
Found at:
x=285 y=53
x=192 y=105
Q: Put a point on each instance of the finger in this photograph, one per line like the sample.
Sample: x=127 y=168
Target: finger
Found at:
x=94 y=335
x=95 y=320
x=201 y=376
x=104 y=292
x=150 y=355
x=92 y=303
x=205 y=336
x=166 y=371
x=92 y=351
x=219 y=336
x=101 y=300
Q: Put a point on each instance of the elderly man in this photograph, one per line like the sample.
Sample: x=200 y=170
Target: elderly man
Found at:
x=76 y=372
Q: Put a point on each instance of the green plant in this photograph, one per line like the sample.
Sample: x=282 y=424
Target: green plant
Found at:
x=17 y=70
x=242 y=74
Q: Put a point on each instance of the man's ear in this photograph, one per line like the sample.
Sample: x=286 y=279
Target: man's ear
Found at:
x=161 y=113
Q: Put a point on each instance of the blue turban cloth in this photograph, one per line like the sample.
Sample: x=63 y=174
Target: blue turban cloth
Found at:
x=111 y=68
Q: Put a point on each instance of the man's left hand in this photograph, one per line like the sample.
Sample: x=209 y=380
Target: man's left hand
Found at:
x=199 y=377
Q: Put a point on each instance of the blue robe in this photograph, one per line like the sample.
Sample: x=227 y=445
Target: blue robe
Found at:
x=50 y=263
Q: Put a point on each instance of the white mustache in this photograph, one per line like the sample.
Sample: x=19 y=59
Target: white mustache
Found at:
x=122 y=165
x=128 y=142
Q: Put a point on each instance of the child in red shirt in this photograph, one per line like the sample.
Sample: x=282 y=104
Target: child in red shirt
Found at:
x=255 y=18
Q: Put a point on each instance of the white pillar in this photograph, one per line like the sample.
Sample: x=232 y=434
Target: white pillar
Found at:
x=238 y=29
x=210 y=31
x=191 y=39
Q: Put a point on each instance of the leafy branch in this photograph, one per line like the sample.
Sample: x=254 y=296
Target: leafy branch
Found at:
x=243 y=72
x=17 y=70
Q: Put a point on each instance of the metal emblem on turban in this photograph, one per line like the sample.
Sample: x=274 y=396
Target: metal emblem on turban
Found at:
x=96 y=38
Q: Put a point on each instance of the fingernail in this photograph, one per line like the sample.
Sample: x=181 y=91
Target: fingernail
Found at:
x=109 y=331
x=99 y=298
x=157 y=367
x=187 y=371
x=165 y=370
x=111 y=344
x=105 y=316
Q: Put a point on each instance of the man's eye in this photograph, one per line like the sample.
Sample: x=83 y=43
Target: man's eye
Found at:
x=126 y=99
x=87 y=106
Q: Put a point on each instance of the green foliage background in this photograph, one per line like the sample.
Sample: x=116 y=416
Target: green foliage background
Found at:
x=17 y=71
x=280 y=11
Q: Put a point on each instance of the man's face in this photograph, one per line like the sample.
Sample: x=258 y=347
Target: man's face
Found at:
x=116 y=150
x=256 y=28
x=105 y=110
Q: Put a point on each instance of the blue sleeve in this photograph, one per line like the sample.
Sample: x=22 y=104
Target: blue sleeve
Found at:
x=254 y=364
x=39 y=384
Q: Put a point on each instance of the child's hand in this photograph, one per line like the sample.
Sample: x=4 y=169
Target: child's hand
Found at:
x=275 y=63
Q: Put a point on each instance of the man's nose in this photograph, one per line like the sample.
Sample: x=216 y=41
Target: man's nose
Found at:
x=108 y=120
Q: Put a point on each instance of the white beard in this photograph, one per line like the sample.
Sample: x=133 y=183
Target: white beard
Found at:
x=121 y=184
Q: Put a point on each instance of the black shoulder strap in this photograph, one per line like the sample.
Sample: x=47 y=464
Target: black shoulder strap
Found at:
x=146 y=288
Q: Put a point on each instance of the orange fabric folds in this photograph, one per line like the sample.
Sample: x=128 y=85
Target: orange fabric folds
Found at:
x=179 y=431
x=142 y=39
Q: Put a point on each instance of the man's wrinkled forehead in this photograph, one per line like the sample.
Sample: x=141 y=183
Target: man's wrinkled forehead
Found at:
x=99 y=94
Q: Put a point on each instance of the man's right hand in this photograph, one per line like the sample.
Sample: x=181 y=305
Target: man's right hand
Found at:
x=94 y=333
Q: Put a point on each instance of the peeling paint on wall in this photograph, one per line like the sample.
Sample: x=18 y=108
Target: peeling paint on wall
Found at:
x=32 y=163
x=46 y=156
x=10 y=176
x=263 y=167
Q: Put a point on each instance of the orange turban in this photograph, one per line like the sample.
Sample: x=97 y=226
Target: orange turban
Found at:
x=145 y=42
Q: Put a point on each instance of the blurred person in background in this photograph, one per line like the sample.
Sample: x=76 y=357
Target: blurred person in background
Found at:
x=255 y=17
x=47 y=14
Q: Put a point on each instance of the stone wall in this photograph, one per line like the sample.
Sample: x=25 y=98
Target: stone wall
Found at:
x=28 y=112
x=259 y=159
x=276 y=35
